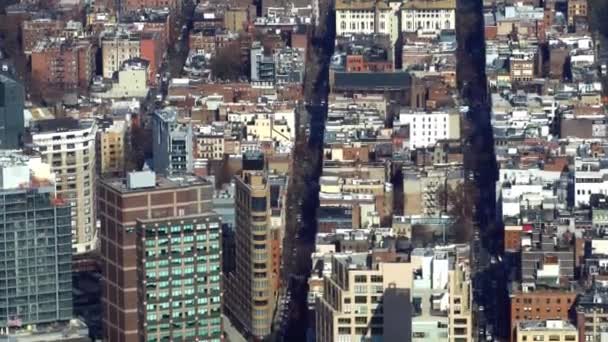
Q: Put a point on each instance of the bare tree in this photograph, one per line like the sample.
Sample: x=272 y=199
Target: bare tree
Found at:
x=459 y=203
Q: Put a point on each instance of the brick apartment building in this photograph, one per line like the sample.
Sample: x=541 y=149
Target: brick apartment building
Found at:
x=210 y=40
x=63 y=64
x=162 y=22
x=540 y=305
x=34 y=31
x=128 y=210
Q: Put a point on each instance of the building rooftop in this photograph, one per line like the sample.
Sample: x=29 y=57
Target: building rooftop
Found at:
x=73 y=330
x=60 y=125
x=161 y=183
x=372 y=80
x=360 y=4
x=549 y=325
x=354 y=261
x=429 y=4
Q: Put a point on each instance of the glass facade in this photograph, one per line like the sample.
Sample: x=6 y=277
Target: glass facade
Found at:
x=182 y=279
x=12 y=97
x=35 y=257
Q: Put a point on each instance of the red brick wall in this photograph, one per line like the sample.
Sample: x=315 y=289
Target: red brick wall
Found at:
x=151 y=49
x=540 y=305
x=512 y=240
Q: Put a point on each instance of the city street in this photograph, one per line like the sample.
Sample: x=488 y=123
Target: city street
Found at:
x=489 y=278
x=299 y=242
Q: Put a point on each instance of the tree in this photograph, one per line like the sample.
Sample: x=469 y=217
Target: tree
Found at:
x=459 y=203
x=226 y=64
x=140 y=148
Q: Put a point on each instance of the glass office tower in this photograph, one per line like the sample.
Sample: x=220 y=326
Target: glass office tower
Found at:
x=35 y=256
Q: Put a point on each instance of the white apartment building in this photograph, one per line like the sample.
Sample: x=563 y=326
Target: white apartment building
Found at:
x=428 y=16
x=364 y=16
x=68 y=145
x=427 y=128
x=590 y=177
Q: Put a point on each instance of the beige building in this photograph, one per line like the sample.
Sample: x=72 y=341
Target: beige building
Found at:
x=131 y=81
x=382 y=192
x=350 y=309
x=420 y=188
x=363 y=16
x=521 y=66
x=116 y=49
x=549 y=330
x=210 y=146
x=68 y=145
x=252 y=287
x=576 y=8
x=111 y=148
x=428 y=16
x=460 y=315
x=266 y=127
x=235 y=19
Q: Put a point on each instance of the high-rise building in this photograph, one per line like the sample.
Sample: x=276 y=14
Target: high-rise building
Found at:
x=460 y=314
x=172 y=147
x=252 y=286
x=353 y=306
x=68 y=145
x=12 y=97
x=36 y=244
x=180 y=271
x=161 y=256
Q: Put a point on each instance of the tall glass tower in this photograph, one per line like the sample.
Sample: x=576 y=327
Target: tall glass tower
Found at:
x=35 y=244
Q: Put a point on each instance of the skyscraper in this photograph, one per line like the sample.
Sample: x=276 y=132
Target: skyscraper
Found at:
x=12 y=97
x=179 y=268
x=35 y=244
x=68 y=145
x=172 y=145
x=252 y=286
x=160 y=247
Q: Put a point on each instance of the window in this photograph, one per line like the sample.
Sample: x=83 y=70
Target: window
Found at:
x=360 y=279
x=361 y=320
x=258 y=203
x=376 y=279
x=360 y=331
x=360 y=299
x=343 y=331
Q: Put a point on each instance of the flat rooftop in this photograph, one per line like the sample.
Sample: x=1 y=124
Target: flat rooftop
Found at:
x=60 y=125
x=162 y=183
x=549 y=325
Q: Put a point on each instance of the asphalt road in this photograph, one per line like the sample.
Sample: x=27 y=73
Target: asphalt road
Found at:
x=489 y=275
x=293 y=321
